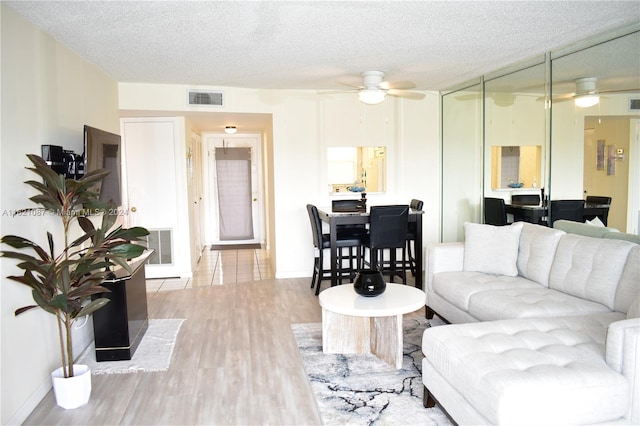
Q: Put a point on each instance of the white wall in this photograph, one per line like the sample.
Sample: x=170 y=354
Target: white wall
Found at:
x=48 y=94
x=304 y=125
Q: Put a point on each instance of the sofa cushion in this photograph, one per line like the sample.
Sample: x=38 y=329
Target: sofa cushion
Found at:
x=536 y=252
x=629 y=286
x=457 y=288
x=535 y=371
x=491 y=249
x=579 y=228
x=634 y=308
x=589 y=268
x=529 y=303
x=634 y=238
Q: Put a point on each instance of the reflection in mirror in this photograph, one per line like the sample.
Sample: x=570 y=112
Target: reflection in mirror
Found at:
x=356 y=169
x=461 y=160
x=592 y=147
x=516 y=166
x=515 y=132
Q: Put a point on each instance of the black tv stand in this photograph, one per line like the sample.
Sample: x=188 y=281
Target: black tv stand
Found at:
x=120 y=324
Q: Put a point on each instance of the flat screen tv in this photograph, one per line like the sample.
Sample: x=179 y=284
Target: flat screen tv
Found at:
x=103 y=150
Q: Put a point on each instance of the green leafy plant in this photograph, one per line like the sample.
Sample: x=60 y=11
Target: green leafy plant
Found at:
x=63 y=283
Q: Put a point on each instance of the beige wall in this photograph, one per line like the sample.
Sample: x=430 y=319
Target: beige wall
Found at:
x=614 y=131
x=48 y=94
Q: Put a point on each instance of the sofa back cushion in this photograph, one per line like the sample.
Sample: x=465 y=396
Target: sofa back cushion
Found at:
x=629 y=287
x=634 y=238
x=590 y=268
x=536 y=252
x=579 y=228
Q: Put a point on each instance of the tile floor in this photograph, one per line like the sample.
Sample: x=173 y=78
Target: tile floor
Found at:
x=218 y=267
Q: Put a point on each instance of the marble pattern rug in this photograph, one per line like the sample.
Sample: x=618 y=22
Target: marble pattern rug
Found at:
x=360 y=389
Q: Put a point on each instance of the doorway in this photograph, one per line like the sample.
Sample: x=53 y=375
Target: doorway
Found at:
x=234 y=188
x=609 y=166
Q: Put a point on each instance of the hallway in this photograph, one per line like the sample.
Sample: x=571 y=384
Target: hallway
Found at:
x=218 y=267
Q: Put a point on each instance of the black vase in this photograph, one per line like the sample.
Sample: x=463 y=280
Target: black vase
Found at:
x=369 y=283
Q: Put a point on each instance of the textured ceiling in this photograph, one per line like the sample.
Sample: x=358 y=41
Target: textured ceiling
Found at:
x=317 y=44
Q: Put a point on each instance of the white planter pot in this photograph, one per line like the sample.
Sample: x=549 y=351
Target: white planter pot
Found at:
x=72 y=392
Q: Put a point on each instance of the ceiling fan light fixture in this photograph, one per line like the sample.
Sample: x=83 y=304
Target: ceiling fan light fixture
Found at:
x=371 y=96
x=230 y=130
x=586 y=101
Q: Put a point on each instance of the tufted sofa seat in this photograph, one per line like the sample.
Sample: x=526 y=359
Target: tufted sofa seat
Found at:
x=553 y=340
x=534 y=371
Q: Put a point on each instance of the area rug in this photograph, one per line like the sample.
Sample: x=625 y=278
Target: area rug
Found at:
x=153 y=353
x=360 y=389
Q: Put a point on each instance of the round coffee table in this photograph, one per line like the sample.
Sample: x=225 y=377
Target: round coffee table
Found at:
x=356 y=324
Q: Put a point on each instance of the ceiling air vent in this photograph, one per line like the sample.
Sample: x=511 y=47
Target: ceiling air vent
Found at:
x=205 y=98
x=634 y=104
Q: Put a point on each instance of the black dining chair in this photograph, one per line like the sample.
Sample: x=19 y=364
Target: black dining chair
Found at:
x=599 y=200
x=321 y=242
x=411 y=236
x=387 y=231
x=526 y=199
x=495 y=211
x=566 y=210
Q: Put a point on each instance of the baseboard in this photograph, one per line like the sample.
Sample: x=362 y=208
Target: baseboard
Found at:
x=82 y=338
x=30 y=404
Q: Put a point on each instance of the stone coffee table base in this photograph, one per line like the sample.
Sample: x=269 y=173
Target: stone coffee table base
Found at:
x=345 y=334
x=354 y=324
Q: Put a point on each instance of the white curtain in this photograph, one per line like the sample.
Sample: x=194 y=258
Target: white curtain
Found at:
x=233 y=172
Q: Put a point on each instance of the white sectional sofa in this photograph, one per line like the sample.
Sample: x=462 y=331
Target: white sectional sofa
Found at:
x=545 y=327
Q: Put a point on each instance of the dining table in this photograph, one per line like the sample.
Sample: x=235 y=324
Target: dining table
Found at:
x=536 y=213
x=336 y=218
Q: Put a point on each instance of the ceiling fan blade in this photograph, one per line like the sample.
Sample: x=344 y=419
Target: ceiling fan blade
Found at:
x=400 y=85
x=349 y=84
x=406 y=94
x=563 y=98
x=337 y=92
x=619 y=91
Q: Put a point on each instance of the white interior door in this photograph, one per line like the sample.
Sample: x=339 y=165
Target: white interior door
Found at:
x=156 y=196
x=214 y=142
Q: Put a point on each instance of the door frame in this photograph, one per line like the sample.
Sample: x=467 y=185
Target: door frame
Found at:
x=210 y=140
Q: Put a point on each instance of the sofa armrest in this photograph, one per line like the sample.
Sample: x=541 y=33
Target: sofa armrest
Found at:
x=443 y=257
x=623 y=356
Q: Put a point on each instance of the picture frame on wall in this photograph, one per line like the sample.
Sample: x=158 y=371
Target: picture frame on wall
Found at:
x=600 y=155
x=611 y=160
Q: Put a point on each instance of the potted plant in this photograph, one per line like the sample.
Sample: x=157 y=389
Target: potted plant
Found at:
x=63 y=282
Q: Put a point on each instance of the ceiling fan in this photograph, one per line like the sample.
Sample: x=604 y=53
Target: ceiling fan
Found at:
x=587 y=93
x=373 y=89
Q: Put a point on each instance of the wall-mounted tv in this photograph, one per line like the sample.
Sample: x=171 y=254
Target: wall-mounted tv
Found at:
x=103 y=150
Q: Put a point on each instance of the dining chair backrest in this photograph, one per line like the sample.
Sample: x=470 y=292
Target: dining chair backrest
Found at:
x=316 y=225
x=526 y=199
x=598 y=199
x=567 y=210
x=347 y=206
x=495 y=211
x=416 y=204
x=388 y=226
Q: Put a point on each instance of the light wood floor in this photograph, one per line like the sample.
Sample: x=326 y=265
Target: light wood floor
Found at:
x=235 y=363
